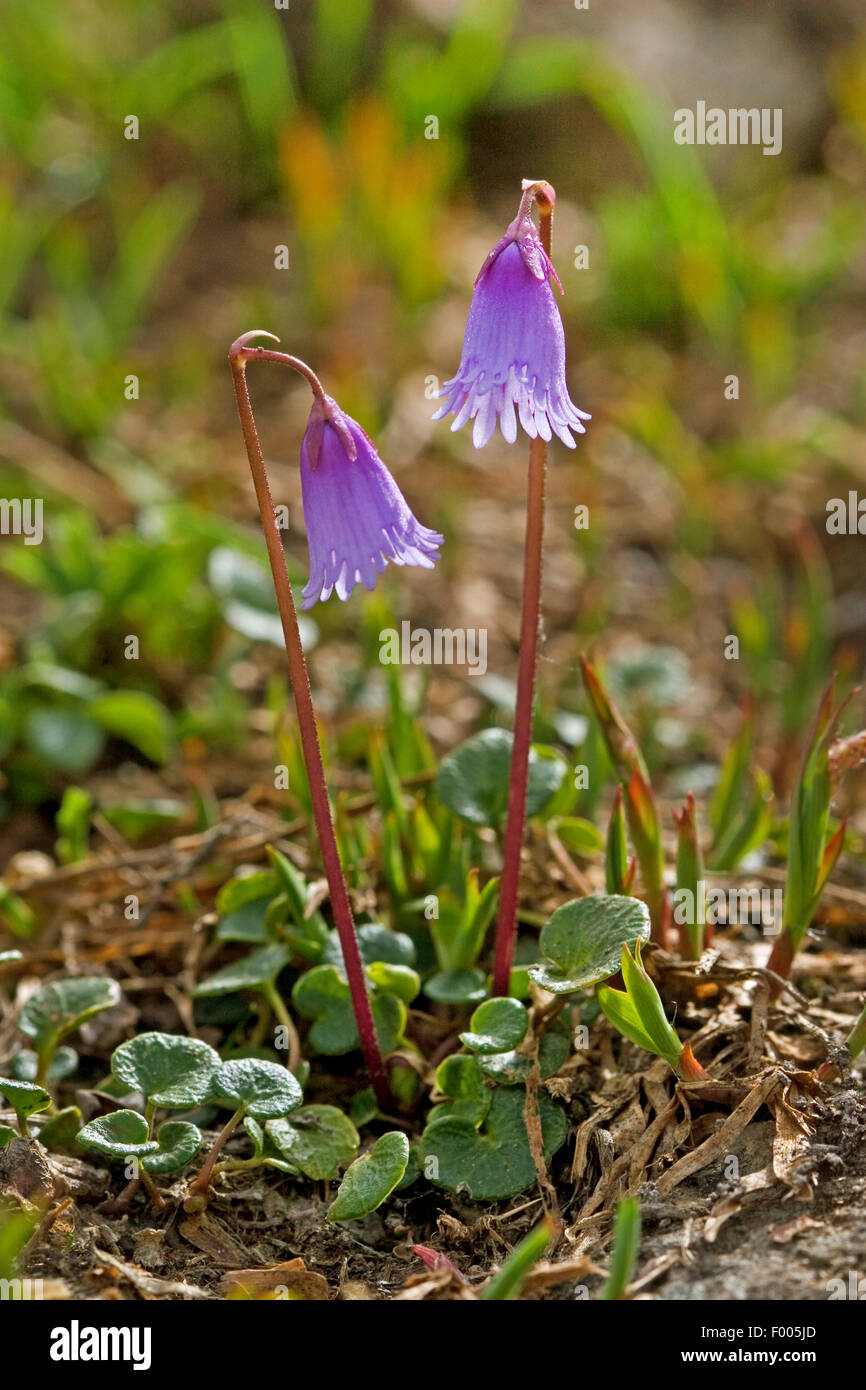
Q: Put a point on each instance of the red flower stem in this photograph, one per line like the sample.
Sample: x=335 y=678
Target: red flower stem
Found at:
x=530 y=623
x=238 y=357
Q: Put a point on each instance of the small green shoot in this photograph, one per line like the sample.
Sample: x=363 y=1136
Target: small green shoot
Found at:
x=26 y=1099
x=638 y=1013
x=690 y=875
x=812 y=848
x=626 y=1243
x=58 y=1009
x=509 y=1280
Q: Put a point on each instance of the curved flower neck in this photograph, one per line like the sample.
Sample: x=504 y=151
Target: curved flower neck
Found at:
x=523 y=233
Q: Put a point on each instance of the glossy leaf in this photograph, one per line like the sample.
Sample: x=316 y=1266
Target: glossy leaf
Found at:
x=264 y=1090
x=318 y=1140
x=24 y=1097
x=585 y=938
x=258 y=969
x=371 y=1178
x=473 y=780
x=59 y=1008
x=456 y=986
x=173 y=1071
x=498 y=1025
x=322 y=994
x=122 y=1134
x=494 y=1161
x=179 y=1141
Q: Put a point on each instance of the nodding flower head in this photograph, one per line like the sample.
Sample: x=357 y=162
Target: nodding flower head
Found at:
x=357 y=519
x=514 y=346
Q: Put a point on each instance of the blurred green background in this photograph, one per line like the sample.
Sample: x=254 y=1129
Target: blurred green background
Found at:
x=129 y=265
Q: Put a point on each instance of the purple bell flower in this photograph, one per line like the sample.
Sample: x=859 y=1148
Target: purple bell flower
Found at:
x=514 y=347
x=357 y=519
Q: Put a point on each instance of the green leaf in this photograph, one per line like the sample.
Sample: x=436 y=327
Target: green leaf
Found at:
x=173 y=1071
x=259 y=968
x=135 y=819
x=246 y=595
x=318 y=1140
x=371 y=1178
x=58 y=1009
x=61 y=1131
x=264 y=1090
x=6 y=1133
x=579 y=836
x=456 y=986
x=459 y=1078
x=509 y=1068
x=376 y=943
x=122 y=1134
x=179 y=1142
x=364 y=1107
x=64 y=739
x=395 y=979
x=137 y=718
x=508 y=1281
x=25 y=1098
x=322 y=994
x=638 y=1011
x=498 y=1025
x=25 y=1065
x=626 y=1242
x=495 y=1161
x=585 y=938
x=258 y=887
x=246 y=923
x=473 y=780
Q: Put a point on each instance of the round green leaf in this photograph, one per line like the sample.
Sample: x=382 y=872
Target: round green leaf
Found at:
x=259 y=968
x=401 y=980
x=122 y=1134
x=584 y=940
x=318 y=1140
x=456 y=986
x=498 y=1025
x=179 y=1141
x=371 y=1178
x=64 y=739
x=59 y=1008
x=173 y=1071
x=376 y=943
x=322 y=994
x=473 y=780
x=459 y=1078
x=265 y=1090
x=495 y=1161
x=137 y=718
x=24 y=1097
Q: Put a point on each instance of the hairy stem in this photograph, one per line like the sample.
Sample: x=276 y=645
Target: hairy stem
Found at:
x=199 y=1185
x=530 y=623
x=238 y=357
